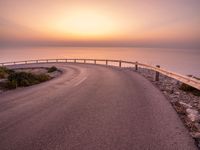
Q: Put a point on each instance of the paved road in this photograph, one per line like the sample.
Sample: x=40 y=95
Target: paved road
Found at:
x=90 y=108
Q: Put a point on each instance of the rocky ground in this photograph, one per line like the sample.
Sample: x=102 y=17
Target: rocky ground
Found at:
x=186 y=104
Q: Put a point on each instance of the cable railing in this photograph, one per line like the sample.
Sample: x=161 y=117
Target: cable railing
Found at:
x=184 y=79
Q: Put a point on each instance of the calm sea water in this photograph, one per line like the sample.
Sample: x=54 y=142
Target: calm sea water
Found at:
x=183 y=61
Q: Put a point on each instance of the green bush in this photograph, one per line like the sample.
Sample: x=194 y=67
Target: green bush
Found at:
x=188 y=88
x=52 y=69
x=2 y=74
x=21 y=79
x=43 y=77
x=5 y=72
x=10 y=84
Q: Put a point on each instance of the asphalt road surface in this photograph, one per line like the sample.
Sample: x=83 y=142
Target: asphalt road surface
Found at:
x=90 y=107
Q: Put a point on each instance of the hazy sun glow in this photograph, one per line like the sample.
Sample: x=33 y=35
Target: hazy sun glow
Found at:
x=86 y=24
x=132 y=22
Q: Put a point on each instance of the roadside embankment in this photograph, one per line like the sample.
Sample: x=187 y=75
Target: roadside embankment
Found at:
x=23 y=77
x=184 y=99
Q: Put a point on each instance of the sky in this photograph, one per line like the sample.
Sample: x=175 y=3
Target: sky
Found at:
x=148 y=23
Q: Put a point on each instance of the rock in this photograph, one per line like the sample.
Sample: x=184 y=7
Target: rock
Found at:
x=190 y=125
x=177 y=93
x=196 y=135
x=165 y=92
x=193 y=118
x=168 y=89
x=197 y=125
x=192 y=111
x=174 y=96
x=185 y=105
x=172 y=91
x=179 y=108
x=193 y=115
x=174 y=100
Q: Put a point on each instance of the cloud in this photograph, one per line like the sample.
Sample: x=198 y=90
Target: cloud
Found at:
x=11 y=29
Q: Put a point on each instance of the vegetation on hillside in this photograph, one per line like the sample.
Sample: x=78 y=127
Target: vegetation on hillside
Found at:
x=52 y=69
x=190 y=89
x=4 y=72
x=13 y=79
x=22 y=79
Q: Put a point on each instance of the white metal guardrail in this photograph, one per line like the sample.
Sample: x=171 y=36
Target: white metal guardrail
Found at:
x=184 y=79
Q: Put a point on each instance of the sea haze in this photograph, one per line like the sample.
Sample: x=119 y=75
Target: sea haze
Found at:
x=184 y=61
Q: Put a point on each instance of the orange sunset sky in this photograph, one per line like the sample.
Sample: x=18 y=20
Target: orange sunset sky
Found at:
x=164 y=23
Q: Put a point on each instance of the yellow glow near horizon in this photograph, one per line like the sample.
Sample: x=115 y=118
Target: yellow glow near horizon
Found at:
x=130 y=21
x=86 y=24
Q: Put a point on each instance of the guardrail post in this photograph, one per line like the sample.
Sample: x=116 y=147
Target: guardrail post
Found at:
x=47 y=61
x=65 y=60
x=25 y=62
x=74 y=60
x=14 y=62
x=84 y=61
x=36 y=61
x=56 y=60
x=120 y=63
x=157 y=74
x=136 y=65
x=106 y=62
x=95 y=61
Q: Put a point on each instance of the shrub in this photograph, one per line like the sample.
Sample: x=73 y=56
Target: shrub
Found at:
x=52 y=69
x=20 y=79
x=4 y=72
x=43 y=77
x=10 y=84
x=188 y=88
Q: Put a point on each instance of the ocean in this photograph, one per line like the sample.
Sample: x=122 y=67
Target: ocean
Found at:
x=183 y=61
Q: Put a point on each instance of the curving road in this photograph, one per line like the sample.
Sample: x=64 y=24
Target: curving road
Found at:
x=90 y=107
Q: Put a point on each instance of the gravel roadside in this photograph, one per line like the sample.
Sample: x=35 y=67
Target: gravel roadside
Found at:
x=186 y=104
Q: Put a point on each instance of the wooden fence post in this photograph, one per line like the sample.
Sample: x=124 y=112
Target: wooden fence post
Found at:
x=95 y=61
x=120 y=63
x=74 y=60
x=84 y=60
x=136 y=65
x=106 y=62
x=157 y=74
x=65 y=60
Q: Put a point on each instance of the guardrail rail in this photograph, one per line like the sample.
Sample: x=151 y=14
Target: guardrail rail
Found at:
x=184 y=79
